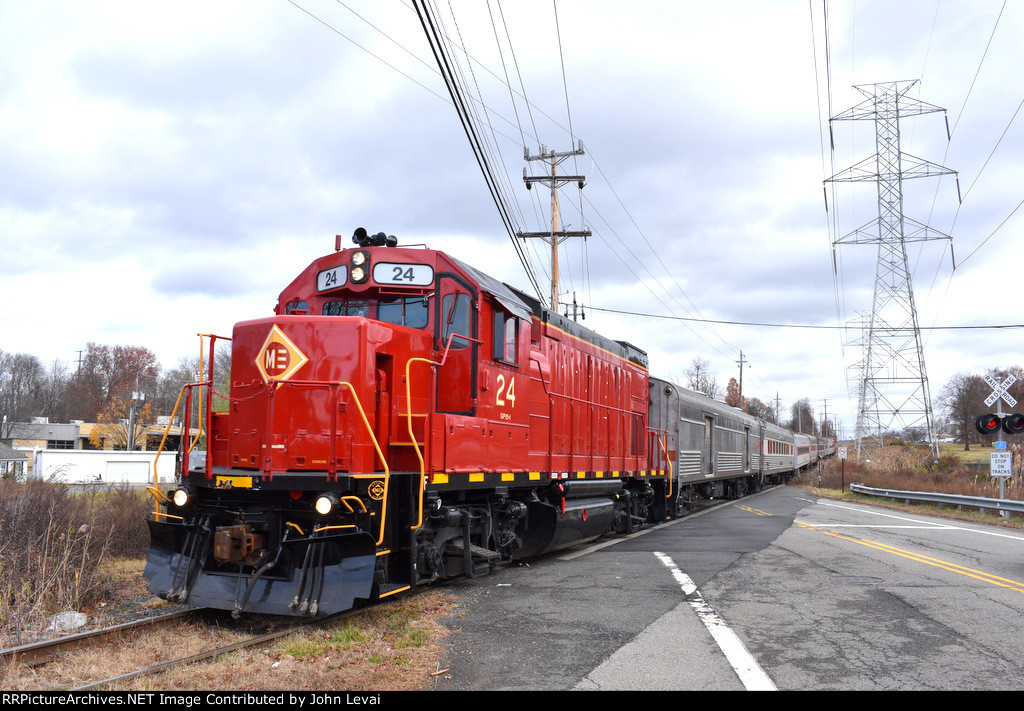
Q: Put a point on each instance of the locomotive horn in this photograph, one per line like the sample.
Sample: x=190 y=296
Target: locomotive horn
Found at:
x=359 y=236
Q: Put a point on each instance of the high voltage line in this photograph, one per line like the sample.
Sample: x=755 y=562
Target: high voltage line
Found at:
x=767 y=324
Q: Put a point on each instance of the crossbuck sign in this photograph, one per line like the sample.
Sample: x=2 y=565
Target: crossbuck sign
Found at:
x=999 y=390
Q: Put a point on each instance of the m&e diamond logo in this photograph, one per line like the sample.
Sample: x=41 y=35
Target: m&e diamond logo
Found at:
x=279 y=358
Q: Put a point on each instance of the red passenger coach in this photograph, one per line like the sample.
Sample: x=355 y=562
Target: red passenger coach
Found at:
x=403 y=418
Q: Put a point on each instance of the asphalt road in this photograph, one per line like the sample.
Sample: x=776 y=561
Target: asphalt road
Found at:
x=776 y=591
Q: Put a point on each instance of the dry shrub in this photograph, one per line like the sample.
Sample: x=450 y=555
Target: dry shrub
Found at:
x=121 y=514
x=908 y=468
x=52 y=543
x=897 y=460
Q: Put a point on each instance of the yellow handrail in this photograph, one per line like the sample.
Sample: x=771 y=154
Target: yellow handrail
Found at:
x=408 y=416
x=345 y=500
x=200 y=409
x=412 y=435
x=373 y=439
x=383 y=459
x=154 y=490
x=668 y=461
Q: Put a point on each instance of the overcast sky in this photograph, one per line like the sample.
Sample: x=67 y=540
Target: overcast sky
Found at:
x=167 y=169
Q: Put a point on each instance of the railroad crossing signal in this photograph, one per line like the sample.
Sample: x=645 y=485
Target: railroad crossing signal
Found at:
x=999 y=390
x=990 y=423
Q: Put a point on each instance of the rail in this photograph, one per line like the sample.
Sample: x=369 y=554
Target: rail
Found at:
x=980 y=502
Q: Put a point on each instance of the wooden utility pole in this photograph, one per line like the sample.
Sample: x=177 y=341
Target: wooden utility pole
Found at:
x=554 y=181
x=741 y=362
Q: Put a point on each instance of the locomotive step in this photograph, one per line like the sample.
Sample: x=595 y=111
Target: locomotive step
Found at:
x=478 y=552
x=388 y=588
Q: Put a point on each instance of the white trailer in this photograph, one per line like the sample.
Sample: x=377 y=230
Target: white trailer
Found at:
x=87 y=466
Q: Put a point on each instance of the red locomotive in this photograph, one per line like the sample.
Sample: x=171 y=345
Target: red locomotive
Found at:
x=404 y=418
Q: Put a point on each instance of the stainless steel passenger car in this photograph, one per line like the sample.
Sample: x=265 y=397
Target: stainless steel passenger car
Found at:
x=826 y=447
x=717 y=450
x=806 y=450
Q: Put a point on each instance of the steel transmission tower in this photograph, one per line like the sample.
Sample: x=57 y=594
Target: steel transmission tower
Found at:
x=893 y=383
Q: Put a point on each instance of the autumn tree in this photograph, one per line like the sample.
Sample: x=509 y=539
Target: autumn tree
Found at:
x=122 y=423
x=732 y=395
x=171 y=381
x=828 y=429
x=104 y=372
x=54 y=403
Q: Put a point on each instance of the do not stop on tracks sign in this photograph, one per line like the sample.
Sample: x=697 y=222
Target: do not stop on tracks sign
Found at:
x=1000 y=464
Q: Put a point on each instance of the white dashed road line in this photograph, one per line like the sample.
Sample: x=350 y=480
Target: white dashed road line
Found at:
x=750 y=674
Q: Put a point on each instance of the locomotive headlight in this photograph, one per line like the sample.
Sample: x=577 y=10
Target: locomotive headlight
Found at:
x=360 y=260
x=181 y=497
x=326 y=504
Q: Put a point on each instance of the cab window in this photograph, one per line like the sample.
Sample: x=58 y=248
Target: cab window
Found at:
x=455 y=309
x=505 y=331
x=408 y=311
x=347 y=307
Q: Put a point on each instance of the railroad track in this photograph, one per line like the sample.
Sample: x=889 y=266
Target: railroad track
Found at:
x=50 y=660
x=40 y=652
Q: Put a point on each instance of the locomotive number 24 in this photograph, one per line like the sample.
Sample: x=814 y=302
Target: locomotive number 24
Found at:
x=504 y=395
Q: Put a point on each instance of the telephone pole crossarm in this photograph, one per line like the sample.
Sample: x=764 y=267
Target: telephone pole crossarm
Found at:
x=554 y=181
x=561 y=235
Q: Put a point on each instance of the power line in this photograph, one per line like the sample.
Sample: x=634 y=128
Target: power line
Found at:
x=445 y=65
x=769 y=324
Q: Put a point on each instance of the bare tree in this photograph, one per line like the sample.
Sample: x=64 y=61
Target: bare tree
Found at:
x=757 y=408
x=962 y=399
x=54 y=403
x=21 y=384
x=802 y=417
x=701 y=379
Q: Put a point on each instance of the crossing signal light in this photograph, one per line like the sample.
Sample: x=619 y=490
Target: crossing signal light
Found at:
x=1013 y=424
x=989 y=424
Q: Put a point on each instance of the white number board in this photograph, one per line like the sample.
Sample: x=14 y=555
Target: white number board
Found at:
x=332 y=278
x=403 y=274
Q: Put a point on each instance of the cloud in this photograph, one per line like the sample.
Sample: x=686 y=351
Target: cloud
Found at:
x=195 y=157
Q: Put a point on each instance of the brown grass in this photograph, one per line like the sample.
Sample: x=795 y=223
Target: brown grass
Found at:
x=908 y=469
x=395 y=646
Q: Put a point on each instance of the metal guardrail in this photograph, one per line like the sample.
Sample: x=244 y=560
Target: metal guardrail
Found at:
x=950 y=499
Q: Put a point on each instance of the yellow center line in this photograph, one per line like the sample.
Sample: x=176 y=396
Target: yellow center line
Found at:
x=935 y=562
x=755 y=511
